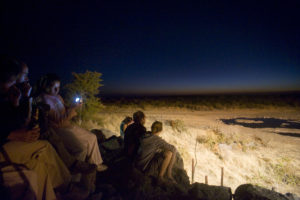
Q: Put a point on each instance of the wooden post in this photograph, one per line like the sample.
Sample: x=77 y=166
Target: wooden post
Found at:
x=222 y=175
x=193 y=170
x=206 y=180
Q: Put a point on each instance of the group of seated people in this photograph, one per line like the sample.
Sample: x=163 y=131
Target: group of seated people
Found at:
x=39 y=144
x=146 y=149
x=54 y=158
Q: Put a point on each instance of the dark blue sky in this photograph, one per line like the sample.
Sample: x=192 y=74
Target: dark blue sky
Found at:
x=185 y=47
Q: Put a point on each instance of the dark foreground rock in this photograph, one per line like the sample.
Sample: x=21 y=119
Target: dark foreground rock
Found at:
x=251 y=192
x=291 y=196
x=202 y=192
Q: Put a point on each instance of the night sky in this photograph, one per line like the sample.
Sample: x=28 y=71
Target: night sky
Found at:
x=160 y=48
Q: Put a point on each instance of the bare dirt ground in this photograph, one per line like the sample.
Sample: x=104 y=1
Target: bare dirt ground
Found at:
x=253 y=146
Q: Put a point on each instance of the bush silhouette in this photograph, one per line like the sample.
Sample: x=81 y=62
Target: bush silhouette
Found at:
x=86 y=86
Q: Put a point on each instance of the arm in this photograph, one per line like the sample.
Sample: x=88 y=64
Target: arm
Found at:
x=25 y=107
x=124 y=127
x=162 y=144
x=9 y=126
x=58 y=115
x=69 y=112
x=25 y=110
x=24 y=135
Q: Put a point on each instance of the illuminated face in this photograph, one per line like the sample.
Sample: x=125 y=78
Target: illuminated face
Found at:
x=54 y=89
x=23 y=76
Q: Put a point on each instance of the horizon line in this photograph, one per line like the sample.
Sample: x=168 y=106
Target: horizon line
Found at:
x=203 y=93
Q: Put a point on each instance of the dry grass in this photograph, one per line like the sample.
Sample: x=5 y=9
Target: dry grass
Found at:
x=284 y=172
x=177 y=125
x=208 y=102
x=278 y=172
x=214 y=137
x=247 y=154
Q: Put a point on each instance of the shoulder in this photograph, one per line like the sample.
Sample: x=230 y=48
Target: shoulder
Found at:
x=141 y=128
x=60 y=98
x=147 y=135
x=44 y=98
x=157 y=138
x=162 y=143
x=129 y=128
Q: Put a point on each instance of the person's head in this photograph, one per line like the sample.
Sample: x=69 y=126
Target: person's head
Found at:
x=50 y=84
x=128 y=120
x=156 y=127
x=9 y=72
x=139 y=117
x=23 y=76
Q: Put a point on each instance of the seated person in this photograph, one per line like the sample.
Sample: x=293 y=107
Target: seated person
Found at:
x=21 y=143
x=133 y=133
x=156 y=156
x=124 y=124
x=79 y=142
x=26 y=108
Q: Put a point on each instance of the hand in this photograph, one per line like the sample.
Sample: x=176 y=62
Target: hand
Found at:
x=79 y=105
x=14 y=95
x=29 y=106
x=72 y=113
x=76 y=105
x=26 y=89
x=31 y=135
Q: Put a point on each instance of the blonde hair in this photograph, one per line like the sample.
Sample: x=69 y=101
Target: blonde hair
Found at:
x=156 y=127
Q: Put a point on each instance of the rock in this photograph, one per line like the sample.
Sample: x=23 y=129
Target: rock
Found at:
x=112 y=143
x=208 y=192
x=133 y=184
x=99 y=134
x=149 y=188
x=108 y=133
x=251 y=192
x=291 y=196
x=97 y=196
x=107 y=191
x=111 y=149
x=179 y=173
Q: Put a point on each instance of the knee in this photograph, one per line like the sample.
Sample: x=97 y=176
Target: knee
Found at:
x=168 y=154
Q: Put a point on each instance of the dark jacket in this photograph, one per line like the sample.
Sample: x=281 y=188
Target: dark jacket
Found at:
x=133 y=133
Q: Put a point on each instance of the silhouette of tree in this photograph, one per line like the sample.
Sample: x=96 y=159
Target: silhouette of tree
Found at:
x=85 y=86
